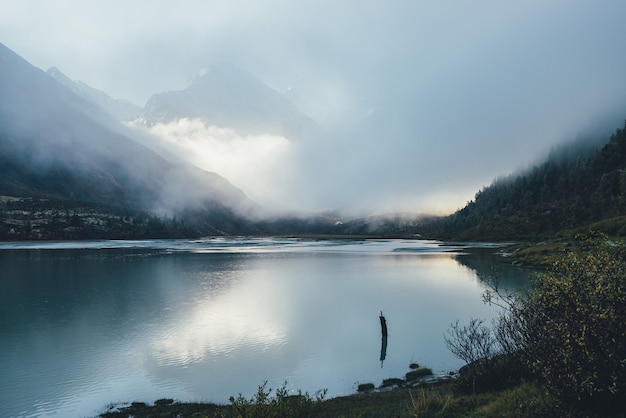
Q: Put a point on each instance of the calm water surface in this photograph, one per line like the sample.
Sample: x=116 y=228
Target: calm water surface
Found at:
x=87 y=324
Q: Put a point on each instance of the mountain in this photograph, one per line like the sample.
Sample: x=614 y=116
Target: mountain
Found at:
x=57 y=146
x=580 y=186
x=303 y=105
x=228 y=97
x=122 y=110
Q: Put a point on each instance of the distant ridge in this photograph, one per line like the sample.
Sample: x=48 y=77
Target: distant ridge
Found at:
x=580 y=186
x=226 y=96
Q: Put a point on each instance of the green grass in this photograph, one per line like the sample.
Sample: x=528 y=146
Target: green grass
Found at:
x=426 y=401
x=540 y=255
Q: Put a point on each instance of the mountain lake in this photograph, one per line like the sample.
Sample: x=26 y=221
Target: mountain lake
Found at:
x=91 y=324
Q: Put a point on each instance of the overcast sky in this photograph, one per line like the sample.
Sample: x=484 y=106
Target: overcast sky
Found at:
x=444 y=96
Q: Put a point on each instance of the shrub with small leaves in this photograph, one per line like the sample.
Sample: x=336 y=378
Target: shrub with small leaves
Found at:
x=571 y=329
x=281 y=404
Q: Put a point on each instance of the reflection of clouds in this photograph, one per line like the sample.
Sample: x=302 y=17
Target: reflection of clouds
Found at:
x=313 y=320
x=219 y=325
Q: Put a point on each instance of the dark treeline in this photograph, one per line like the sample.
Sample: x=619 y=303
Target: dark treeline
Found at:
x=56 y=219
x=577 y=187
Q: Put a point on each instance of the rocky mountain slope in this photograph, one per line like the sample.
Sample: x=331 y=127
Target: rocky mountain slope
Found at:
x=122 y=110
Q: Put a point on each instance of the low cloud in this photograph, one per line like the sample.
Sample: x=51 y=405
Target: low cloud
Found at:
x=425 y=102
x=257 y=164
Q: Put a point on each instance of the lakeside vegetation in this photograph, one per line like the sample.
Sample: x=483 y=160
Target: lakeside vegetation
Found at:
x=427 y=401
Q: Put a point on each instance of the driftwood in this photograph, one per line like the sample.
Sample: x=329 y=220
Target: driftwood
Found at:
x=383 y=324
x=383 y=343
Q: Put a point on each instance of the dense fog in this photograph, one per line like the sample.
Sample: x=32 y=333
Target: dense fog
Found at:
x=415 y=106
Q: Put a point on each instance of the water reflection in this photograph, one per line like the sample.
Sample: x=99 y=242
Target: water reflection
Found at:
x=494 y=270
x=84 y=327
x=211 y=324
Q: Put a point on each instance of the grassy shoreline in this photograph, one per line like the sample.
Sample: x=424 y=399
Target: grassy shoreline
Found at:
x=440 y=399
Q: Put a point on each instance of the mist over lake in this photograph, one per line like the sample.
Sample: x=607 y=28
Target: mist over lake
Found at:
x=86 y=324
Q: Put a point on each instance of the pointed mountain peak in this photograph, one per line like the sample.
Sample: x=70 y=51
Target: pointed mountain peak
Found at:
x=227 y=96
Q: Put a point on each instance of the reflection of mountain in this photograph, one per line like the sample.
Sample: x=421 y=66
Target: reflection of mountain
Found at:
x=226 y=96
x=492 y=268
x=56 y=145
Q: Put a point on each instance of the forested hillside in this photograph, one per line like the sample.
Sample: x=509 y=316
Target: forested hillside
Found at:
x=575 y=189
